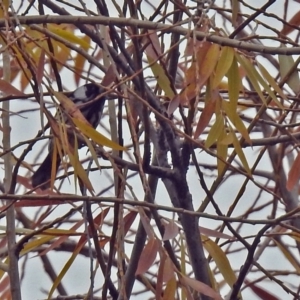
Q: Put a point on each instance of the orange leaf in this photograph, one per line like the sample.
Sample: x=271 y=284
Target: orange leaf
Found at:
x=206 y=114
x=207 y=65
x=294 y=173
x=170 y=289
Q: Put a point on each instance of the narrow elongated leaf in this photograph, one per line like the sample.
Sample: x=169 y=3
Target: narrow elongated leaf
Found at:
x=294 y=174
x=215 y=131
x=162 y=78
x=286 y=62
x=220 y=259
x=170 y=290
x=222 y=150
x=234 y=84
x=148 y=256
x=207 y=66
x=288 y=255
x=208 y=111
x=236 y=121
x=96 y=136
x=239 y=151
x=9 y=89
x=251 y=75
x=224 y=64
x=271 y=81
x=200 y=287
x=69 y=35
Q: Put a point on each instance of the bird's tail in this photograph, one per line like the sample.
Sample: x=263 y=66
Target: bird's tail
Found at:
x=43 y=173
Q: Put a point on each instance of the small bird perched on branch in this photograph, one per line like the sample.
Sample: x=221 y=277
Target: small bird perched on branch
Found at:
x=92 y=112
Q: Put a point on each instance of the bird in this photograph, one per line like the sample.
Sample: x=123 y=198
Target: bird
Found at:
x=92 y=112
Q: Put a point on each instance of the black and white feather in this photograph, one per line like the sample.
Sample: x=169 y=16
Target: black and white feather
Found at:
x=84 y=97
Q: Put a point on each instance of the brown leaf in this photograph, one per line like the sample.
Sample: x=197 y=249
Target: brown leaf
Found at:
x=206 y=114
x=295 y=21
x=9 y=89
x=148 y=256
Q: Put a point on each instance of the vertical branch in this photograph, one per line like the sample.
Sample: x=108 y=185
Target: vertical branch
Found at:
x=10 y=214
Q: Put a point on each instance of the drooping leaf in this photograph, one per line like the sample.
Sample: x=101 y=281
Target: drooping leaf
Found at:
x=223 y=65
x=96 y=136
x=222 y=150
x=170 y=289
x=236 y=121
x=287 y=254
x=239 y=151
x=148 y=256
x=163 y=80
x=294 y=174
x=271 y=81
x=234 y=84
x=208 y=111
x=220 y=259
x=207 y=65
x=79 y=61
x=248 y=67
x=216 y=130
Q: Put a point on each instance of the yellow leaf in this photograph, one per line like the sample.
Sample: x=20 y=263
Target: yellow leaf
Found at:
x=79 y=61
x=256 y=78
x=236 y=121
x=169 y=292
x=271 y=81
x=69 y=35
x=234 y=84
x=65 y=269
x=224 y=64
x=36 y=243
x=97 y=137
x=220 y=259
x=162 y=78
x=239 y=151
x=5 y=5
x=248 y=67
x=79 y=170
x=222 y=150
x=215 y=131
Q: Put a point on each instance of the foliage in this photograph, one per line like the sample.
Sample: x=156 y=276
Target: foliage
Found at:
x=195 y=192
